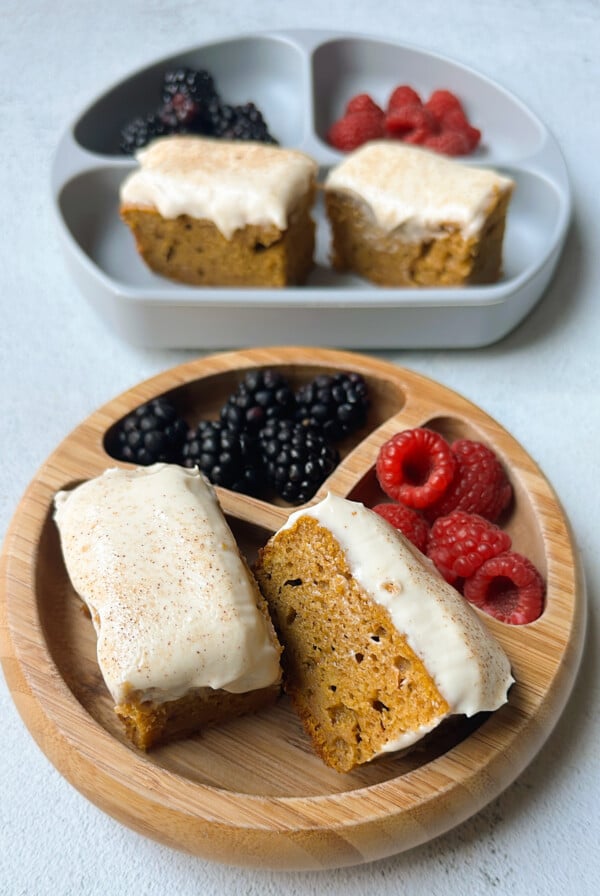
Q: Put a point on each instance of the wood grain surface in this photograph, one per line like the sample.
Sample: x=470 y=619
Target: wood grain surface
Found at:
x=251 y=792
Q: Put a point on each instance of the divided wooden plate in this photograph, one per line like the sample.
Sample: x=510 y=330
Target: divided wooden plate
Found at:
x=252 y=793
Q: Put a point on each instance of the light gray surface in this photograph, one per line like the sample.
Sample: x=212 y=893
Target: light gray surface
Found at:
x=58 y=362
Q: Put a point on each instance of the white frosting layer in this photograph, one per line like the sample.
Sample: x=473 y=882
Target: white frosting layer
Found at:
x=232 y=184
x=468 y=666
x=174 y=607
x=415 y=192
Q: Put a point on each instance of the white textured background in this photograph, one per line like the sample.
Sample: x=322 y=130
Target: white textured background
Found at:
x=58 y=362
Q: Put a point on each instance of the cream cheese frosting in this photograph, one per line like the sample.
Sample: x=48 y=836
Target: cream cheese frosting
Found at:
x=468 y=666
x=173 y=604
x=416 y=193
x=231 y=183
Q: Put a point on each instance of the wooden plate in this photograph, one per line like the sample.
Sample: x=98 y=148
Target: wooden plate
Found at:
x=251 y=792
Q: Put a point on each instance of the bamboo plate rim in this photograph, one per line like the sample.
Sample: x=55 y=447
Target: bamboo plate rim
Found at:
x=322 y=830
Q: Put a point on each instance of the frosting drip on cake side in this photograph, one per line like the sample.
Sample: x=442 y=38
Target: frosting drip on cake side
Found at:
x=174 y=607
x=415 y=193
x=232 y=184
x=468 y=666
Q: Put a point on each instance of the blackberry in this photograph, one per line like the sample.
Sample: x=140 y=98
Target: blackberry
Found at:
x=187 y=95
x=337 y=404
x=153 y=432
x=262 y=395
x=198 y=84
x=297 y=459
x=227 y=458
x=180 y=113
x=238 y=123
x=140 y=131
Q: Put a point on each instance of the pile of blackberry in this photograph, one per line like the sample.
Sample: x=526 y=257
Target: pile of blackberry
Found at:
x=191 y=104
x=268 y=439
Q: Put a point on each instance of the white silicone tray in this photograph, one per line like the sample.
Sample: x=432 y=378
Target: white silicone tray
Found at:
x=301 y=80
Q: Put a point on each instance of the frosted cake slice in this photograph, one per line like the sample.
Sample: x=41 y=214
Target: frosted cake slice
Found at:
x=401 y=215
x=184 y=639
x=222 y=213
x=378 y=648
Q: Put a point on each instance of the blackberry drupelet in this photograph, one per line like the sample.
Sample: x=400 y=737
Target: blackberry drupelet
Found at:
x=261 y=396
x=337 y=404
x=239 y=123
x=227 y=458
x=140 y=131
x=297 y=459
x=152 y=433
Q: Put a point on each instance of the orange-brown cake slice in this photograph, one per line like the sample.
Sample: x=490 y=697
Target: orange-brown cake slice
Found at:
x=222 y=213
x=402 y=215
x=184 y=639
x=378 y=648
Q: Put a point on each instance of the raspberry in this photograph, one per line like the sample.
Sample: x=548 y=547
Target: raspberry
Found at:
x=362 y=102
x=407 y=520
x=451 y=143
x=460 y=542
x=450 y=116
x=418 y=136
x=441 y=102
x=415 y=467
x=402 y=119
x=355 y=129
x=453 y=120
x=403 y=96
x=507 y=587
x=479 y=486
x=472 y=135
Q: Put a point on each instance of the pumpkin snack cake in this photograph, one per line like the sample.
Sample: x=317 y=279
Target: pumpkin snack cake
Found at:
x=184 y=639
x=222 y=213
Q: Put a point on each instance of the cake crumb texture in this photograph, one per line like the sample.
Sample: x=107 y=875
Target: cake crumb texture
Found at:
x=352 y=677
x=360 y=245
x=222 y=213
x=149 y=724
x=401 y=215
x=194 y=251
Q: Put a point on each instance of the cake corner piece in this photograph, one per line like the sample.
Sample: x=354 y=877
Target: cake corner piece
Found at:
x=378 y=649
x=210 y=212
x=184 y=638
x=405 y=216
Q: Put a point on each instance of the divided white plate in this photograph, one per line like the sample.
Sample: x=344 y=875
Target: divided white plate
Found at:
x=301 y=80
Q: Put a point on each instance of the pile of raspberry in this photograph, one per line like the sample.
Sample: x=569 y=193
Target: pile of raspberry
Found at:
x=447 y=498
x=439 y=124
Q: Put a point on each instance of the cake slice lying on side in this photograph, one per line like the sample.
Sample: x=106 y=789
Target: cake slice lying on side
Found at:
x=184 y=636
x=378 y=648
x=222 y=213
x=405 y=216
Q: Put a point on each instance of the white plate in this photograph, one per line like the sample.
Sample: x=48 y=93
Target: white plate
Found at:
x=301 y=80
